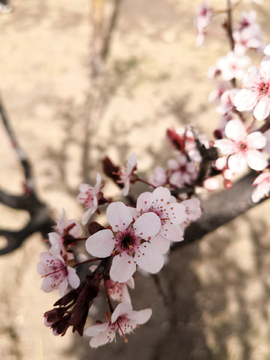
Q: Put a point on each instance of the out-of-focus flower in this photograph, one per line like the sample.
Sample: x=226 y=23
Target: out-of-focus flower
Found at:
x=159 y=178
x=262 y=183
x=89 y=197
x=182 y=172
x=227 y=103
x=64 y=235
x=216 y=94
x=126 y=173
x=202 y=21
x=232 y=66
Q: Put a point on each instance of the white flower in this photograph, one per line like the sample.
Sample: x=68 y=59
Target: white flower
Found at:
x=129 y=243
x=232 y=66
x=242 y=147
x=88 y=196
x=123 y=321
x=171 y=214
x=256 y=90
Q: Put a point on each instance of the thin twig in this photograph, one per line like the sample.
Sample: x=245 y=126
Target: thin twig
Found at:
x=108 y=36
x=229 y=30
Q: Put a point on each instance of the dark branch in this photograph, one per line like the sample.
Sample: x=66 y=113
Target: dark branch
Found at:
x=220 y=209
x=40 y=219
x=29 y=183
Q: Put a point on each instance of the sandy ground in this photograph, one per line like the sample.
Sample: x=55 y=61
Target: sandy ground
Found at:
x=218 y=290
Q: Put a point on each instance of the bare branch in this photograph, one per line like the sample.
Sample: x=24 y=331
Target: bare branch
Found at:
x=220 y=209
x=40 y=222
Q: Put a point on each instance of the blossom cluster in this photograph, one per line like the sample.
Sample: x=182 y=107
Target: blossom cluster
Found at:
x=138 y=237
x=139 y=232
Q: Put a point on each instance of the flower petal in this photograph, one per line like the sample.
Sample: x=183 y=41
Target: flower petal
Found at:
x=140 y=317
x=144 y=201
x=245 y=100
x=149 y=259
x=262 y=109
x=119 y=216
x=256 y=160
x=256 y=140
x=73 y=278
x=172 y=232
x=147 y=225
x=121 y=309
x=101 y=243
x=237 y=163
x=161 y=243
x=226 y=146
x=235 y=130
x=123 y=267
x=87 y=215
x=96 y=329
x=62 y=221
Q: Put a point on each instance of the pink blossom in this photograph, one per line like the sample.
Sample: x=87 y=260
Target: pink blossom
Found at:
x=126 y=172
x=182 y=171
x=193 y=210
x=57 y=239
x=242 y=147
x=88 y=196
x=119 y=291
x=248 y=38
x=128 y=242
x=263 y=187
x=171 y=214
x=122 y=321
x=159 y=178
x=227 y=103
x=56 y=274
x=247 y=19
x=232 y=66
x=256 y=91
x=216 y=94
x=202 y=20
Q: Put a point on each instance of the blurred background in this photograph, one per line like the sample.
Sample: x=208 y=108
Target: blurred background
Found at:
x=218 y=290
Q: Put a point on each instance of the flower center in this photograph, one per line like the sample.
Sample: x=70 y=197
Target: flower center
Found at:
x=127 y=241
x=263 y=88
